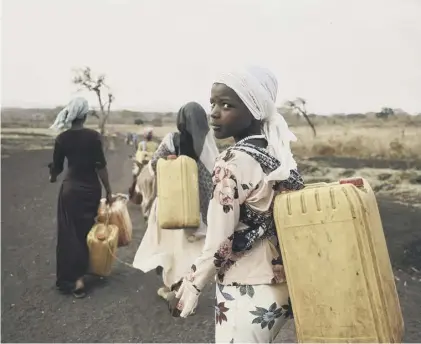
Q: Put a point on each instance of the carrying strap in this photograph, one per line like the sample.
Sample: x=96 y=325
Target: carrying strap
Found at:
x=119 y=260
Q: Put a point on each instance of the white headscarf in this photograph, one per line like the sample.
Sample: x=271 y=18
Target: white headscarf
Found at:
x=257 y=87
x=148 y=131
x=77 y=109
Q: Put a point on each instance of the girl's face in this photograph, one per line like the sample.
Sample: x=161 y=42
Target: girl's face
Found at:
x=229 y=116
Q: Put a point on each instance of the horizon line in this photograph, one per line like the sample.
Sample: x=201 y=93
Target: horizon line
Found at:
x=174 y=112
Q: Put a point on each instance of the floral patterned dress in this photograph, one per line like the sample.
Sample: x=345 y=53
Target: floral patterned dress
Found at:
x=241 y=248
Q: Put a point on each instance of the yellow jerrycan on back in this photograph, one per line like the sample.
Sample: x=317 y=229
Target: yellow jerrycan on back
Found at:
x=337 y=264
x=178 y=193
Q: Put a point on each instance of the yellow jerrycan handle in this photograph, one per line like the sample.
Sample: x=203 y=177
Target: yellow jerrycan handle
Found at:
x=356 y=181
x=316 y=185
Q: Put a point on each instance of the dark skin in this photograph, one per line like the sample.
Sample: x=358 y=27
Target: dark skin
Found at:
x=231 y=117
x=102 y=173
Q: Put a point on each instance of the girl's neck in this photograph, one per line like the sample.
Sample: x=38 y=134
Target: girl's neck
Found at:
x=252 y=130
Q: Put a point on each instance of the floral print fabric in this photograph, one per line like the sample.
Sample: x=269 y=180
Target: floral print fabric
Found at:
x=241 y=245
x=241 y=248
x=225 y=188
x=250 y=314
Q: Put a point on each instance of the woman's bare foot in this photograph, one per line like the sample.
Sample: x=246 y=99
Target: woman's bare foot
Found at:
x=79 y=284
x=79 y=291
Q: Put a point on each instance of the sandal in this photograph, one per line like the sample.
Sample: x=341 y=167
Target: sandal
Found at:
x=79 y=293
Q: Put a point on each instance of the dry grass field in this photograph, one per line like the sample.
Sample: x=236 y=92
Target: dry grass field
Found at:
x=333 y=140
x=360 y=142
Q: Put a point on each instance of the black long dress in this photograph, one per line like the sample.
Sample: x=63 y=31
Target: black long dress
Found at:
x=78 y=200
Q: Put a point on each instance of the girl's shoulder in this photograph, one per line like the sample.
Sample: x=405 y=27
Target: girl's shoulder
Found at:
x=232 y=156
x=238 y=164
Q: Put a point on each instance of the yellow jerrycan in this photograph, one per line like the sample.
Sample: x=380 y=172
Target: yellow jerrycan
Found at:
x=117 y=214
x=143 y=156
x=337 y=265
x=178 y=193
x=102 y=243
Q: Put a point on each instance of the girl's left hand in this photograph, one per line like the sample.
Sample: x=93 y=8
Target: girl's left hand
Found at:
x=188 y=297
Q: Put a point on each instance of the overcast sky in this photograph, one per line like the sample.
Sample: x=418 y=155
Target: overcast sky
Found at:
x=340 y=55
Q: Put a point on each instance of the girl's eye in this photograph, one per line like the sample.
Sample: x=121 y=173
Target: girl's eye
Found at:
x=212 y=105
x=226 y=106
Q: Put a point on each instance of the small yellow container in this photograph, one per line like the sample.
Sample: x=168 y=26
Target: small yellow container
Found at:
x=143 y=156
x=337 y=264
x=102 y=243
x=178 y=193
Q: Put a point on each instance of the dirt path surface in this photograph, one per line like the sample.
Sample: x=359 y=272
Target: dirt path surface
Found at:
x=125 y=307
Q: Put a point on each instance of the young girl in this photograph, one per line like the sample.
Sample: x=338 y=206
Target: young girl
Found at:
x=241 y=248
x=173 y=250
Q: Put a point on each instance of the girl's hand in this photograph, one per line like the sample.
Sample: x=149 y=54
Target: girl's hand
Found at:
x=53 y=179
x=188 y=297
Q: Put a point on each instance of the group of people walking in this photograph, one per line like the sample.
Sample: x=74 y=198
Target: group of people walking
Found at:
x=236 y=244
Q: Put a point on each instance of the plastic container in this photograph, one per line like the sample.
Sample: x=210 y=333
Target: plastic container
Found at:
x=118 y=216
x=143 y=157
x=102 y=242
x=337 y=264
x=178 y=193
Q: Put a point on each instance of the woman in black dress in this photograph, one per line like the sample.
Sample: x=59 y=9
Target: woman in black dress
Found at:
x=80 y=193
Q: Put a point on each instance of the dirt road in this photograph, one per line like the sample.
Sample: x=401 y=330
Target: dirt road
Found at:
x=125 y=307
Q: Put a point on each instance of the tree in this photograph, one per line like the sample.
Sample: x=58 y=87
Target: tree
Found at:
x=84 y=78
x=299 y=105
x=385 y=113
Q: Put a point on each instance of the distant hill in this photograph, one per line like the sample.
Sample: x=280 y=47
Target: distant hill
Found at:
x=38 y=117
x=20 y=116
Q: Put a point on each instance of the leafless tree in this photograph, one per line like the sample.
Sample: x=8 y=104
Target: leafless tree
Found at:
x=299 y=105
x=83 y=77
